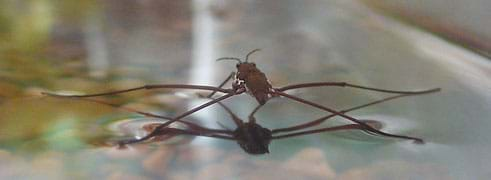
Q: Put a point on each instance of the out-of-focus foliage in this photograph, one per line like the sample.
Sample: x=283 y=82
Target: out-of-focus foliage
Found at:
x=75 y=11
x=25 y=35
x=28 y=120
x=34 y=124
x=26 y=25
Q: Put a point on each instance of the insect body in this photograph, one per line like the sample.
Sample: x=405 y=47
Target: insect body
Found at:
x=255 y=81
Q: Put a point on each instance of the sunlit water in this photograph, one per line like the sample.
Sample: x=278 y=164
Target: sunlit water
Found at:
x=50 y=138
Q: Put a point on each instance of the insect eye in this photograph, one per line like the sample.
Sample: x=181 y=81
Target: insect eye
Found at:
x=237 y=65
x=253 y=64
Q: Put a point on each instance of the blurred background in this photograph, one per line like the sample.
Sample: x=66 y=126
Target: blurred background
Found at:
x=100 y=45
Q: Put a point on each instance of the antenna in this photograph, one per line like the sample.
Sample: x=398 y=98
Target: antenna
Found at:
x=229 y=58
x=248 y=54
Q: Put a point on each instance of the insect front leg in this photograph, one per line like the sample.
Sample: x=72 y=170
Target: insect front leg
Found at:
x=232 y=75
x=146 y=87
x=238 y=84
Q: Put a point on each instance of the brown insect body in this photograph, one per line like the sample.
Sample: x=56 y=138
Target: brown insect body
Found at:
x=256 y=82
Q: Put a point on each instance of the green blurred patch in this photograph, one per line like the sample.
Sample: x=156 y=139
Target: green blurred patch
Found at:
x=31 y=122
x=36 y=124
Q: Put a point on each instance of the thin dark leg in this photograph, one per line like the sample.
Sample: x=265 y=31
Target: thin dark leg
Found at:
x=367 y=127
x=234 y=117
x=322 y=119
x=222 y=84
x=344 y=84
x=153 y=133
x=146 y=87
x=252 y=119
x=223 y=126
x=187 y=123
x=335 y=128
x=175 y=131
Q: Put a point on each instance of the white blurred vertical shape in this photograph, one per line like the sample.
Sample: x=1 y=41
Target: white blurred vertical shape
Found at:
x=95 y=42
x=202 y=68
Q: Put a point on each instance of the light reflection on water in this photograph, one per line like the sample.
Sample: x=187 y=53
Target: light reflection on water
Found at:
x=141 y=126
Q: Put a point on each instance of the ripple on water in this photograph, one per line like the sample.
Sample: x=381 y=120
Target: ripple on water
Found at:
x=141 y=126
x=386 y=123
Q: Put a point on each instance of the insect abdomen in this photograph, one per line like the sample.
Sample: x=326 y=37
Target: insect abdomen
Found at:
x=260 y=89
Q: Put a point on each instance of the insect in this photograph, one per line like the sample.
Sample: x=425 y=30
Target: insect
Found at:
x=250 y=79
x=254 y=80
x=252 y=137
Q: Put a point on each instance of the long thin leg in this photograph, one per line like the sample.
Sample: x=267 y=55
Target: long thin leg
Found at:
x=153 y=133
x=252 y=119
x=335 y=128
x=164 y=125
x=234 y=117
x=222 y=84
x=367 y=127
x=176 y=131
x=187 y=123
x=344 y=84
x=146 y=87
x=322 y=119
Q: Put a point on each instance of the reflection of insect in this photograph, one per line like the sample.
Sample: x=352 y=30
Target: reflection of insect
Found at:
x=250 y=79
x=252 y=137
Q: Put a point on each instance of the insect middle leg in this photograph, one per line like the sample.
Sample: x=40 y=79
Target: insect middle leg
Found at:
x=229 y=77
x=147 y=87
